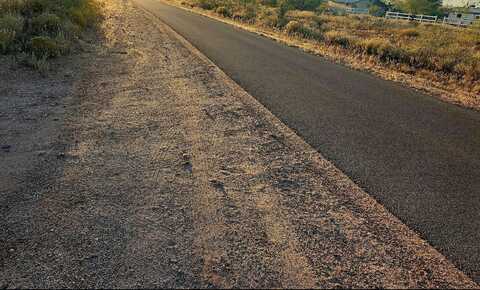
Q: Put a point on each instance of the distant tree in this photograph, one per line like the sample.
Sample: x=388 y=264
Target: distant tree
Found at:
x=322 y=8
x=378 y=7
x=312 y=4
x=375 y=10
x=269 y=2
x=430 y=7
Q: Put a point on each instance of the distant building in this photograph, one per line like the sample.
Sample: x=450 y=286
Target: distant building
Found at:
x=461 y=3
x=463 y=18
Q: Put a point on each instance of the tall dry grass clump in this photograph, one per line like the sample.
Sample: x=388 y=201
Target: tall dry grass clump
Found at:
x=35 y=30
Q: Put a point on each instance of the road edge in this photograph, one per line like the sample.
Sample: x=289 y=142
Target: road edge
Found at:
x=427 y=87
x=334 y=175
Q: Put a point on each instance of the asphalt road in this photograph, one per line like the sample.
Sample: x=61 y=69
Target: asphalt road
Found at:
x=416 y=155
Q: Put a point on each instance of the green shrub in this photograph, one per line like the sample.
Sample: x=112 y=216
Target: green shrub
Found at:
x=46 y=22
x=11 y=22
x=269 y=2
x=42 y=29
x=6 y=40
x=85 y=14
x=12 y=6
x=42 y=46
x=268 y=17
x=250 y=12
x=206 y=4
x=224 y=11
x=10 y=26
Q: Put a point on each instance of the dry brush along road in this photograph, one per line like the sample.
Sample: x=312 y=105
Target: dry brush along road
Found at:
x=139 y=163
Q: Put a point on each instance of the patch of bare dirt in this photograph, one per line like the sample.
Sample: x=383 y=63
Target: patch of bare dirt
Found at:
x=161 y=172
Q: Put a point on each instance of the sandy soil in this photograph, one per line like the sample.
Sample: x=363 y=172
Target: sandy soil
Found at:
x=148 y=167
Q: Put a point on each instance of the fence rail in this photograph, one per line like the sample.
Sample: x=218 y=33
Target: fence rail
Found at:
x=357 y=10
x=411 y=17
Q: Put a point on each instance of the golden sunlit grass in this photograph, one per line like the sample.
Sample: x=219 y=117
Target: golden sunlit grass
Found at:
x=36 y=30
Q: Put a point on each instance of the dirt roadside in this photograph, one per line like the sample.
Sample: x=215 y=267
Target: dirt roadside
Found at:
x=150 y=168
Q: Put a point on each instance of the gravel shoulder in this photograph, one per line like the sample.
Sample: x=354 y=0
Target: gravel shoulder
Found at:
x=140 y=164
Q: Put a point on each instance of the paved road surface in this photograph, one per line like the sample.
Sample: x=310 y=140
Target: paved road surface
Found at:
x=416 y=155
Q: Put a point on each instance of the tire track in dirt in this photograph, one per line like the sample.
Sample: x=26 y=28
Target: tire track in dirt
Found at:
x=226 y=234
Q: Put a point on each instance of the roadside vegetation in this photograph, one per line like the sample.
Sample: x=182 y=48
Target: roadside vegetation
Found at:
x=35 y=31
x=442 y=53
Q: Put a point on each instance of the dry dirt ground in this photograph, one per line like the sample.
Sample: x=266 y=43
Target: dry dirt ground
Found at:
x=148 y=167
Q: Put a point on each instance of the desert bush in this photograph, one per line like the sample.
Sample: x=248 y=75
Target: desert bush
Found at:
x=86 y=13
x=10 y=26
x=44 y=29
x=46 y=22
x=44 y=46
x=469 y=68
x=11 y=22
x=270 y=3
x=224 y=11
x=293 y=27
x=268 y=17
x=11 y=6
x=247 y=13
x=303 y=30
x=383 y=49
x=6 y=40
x=206 y=4
x=340 y=38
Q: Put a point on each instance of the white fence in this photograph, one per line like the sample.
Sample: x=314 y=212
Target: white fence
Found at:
x=456 y=22
x=357 y=10
x=412 y=17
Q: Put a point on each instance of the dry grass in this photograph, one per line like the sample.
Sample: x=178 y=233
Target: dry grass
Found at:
x=36 y=30
x=442 y=60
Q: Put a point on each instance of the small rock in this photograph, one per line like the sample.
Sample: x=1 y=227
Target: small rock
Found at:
x=6 y=147
x=187 y=166
x=11 y=250
x=218 y=185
